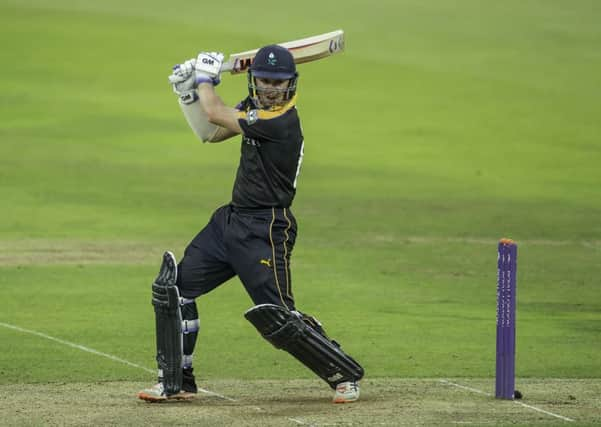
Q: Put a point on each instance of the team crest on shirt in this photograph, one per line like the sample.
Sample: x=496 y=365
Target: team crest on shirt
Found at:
x=252 y=116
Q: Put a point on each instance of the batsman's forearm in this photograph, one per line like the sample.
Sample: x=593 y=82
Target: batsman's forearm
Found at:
x=209 y=100
x=217 y=112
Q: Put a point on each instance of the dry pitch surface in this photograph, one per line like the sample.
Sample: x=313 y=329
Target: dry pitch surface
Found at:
x=385 y=402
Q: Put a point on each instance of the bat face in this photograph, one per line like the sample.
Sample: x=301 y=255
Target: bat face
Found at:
x=303 y=50
x=241 y=65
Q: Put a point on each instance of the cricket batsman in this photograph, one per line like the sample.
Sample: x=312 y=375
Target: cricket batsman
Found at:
x=251 y=237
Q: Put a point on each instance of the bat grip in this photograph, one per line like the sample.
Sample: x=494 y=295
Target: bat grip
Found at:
x=227 y=66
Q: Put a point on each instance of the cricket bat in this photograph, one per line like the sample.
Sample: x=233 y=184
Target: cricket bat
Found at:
x=303 y=50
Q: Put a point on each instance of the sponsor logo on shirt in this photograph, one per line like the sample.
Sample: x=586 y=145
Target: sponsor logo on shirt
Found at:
x=251 y=141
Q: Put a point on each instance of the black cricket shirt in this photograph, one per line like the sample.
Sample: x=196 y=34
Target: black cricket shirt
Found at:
x=270 y=156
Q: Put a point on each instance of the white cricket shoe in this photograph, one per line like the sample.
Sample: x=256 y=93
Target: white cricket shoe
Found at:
x=346 y=392
x=156 y=393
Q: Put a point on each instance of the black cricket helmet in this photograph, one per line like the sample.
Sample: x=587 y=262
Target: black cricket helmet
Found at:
x=273 y=62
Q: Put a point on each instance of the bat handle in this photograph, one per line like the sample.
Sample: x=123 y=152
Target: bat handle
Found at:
x=227 y=66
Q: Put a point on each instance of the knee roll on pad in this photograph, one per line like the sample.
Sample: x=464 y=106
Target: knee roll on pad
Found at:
x=303 y=337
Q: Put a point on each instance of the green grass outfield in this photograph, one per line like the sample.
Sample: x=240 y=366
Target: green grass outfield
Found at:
x=443 y=127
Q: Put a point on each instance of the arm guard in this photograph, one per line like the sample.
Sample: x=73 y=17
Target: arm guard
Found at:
x=197 y=120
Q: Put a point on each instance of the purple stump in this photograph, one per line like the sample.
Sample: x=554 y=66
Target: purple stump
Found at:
x=506 y=285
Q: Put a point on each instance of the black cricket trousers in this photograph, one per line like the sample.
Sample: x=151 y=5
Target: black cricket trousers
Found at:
x=254 y=244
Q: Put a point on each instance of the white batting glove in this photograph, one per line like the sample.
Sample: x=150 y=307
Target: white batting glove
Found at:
x=186 y=68
x=183 y=70
x=182 y=84
x=183 y=81
x=184 y=87
x=208 y=67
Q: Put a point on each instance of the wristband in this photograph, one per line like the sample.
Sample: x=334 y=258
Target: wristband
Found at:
x=204 y=79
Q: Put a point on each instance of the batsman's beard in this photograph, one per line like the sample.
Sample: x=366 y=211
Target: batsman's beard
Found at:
x=271 y=98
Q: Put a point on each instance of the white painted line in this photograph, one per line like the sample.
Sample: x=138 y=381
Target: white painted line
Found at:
x=97 y=353
x=474 y=390
x=473 y=422
x=534 y=408
x=126 y=362
x=544 y=412
x=300 y=422
x=77 y=346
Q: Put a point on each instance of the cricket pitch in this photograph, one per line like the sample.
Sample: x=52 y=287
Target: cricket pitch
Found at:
x=384 y=402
